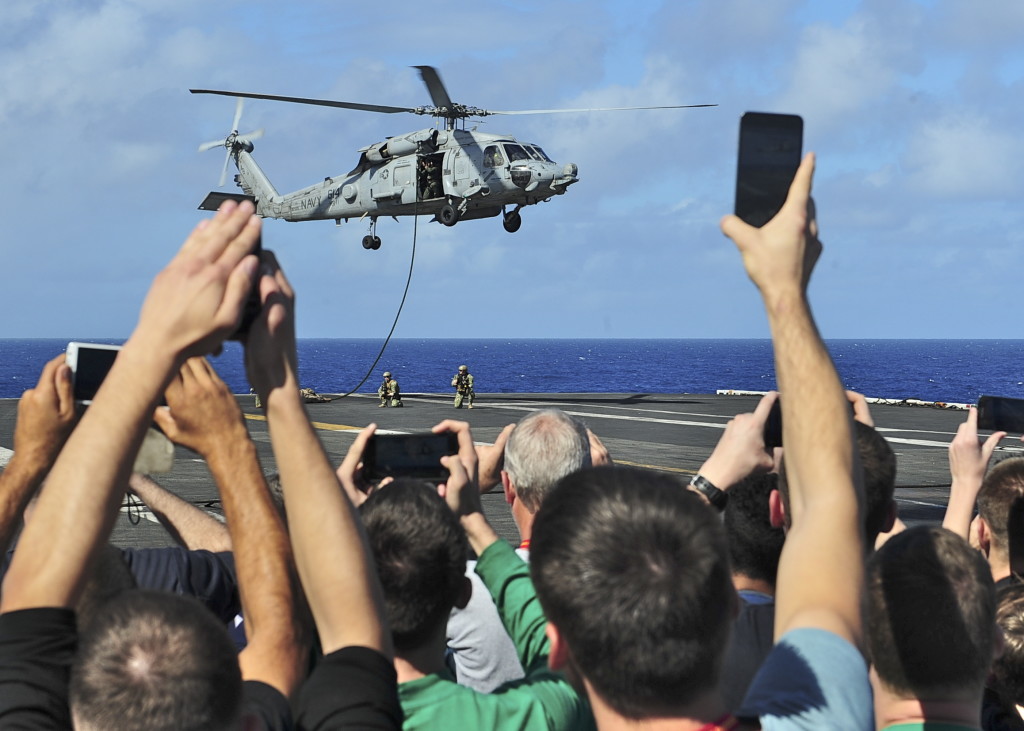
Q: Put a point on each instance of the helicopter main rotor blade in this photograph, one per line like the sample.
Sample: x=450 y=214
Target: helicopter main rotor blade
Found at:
x=438 y=94
x=238 y=114
x=210 y=145
x=599 y=109
x=318 y=102
x=224 y=171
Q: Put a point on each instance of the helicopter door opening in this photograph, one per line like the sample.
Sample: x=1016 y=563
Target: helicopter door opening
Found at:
x=429 y=176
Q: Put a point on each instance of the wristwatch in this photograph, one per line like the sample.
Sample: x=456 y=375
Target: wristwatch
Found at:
x=716 y=497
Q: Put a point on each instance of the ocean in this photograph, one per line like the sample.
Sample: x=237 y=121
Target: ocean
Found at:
x=931 y=370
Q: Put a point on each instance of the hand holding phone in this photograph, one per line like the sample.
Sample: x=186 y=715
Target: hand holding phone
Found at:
x=409 y=455
x=89 y=363
x=770 y=150
x=1000 y=413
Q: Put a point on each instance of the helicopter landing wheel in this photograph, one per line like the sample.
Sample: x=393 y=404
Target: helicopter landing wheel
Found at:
x=449 y=216
x=376 y=243
x=368 y=242
x=512 y=221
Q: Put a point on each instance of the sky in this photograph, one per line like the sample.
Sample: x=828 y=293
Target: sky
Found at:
x=914 y=108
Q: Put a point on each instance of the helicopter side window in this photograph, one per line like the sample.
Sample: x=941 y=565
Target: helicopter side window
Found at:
x=516 y=153
x=493 y=157
x=543 y=157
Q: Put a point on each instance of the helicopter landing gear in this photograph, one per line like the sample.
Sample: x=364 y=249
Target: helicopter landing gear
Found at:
x=449 y=215
x=372 y=240
x=512 y=221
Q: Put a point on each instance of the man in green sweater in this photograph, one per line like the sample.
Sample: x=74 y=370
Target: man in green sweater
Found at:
x=419 y=545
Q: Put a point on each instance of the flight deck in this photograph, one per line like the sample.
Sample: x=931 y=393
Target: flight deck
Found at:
x=668 y=432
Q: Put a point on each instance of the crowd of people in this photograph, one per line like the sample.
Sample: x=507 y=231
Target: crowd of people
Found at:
x=776 y=589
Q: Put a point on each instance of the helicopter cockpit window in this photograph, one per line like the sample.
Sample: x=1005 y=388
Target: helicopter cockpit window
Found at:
x=516 y=153
x=493 y=157
x=539 y=153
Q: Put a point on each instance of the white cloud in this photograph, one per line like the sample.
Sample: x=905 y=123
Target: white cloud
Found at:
x=965 y=154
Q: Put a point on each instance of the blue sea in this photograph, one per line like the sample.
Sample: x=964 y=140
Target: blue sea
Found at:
x=930 y=370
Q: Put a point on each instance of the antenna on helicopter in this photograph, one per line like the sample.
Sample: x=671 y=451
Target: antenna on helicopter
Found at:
x=233 y=139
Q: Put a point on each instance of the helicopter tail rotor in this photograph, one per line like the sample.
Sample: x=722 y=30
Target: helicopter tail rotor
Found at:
x=234 y=142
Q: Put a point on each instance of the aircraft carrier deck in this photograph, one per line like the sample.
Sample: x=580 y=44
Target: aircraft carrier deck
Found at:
x=670 y=432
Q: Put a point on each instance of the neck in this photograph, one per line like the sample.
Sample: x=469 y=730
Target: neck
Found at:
x=999 y=565
x=523 y=519
x=744 y=583
x=703 y=713
x=890 y=709
x=427 y=659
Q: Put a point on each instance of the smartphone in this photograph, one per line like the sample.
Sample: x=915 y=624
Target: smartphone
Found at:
x=89 y=363
x=770 y=149
x=773 y=426
x=409 y=455
x=253 y=305
x=999 y=413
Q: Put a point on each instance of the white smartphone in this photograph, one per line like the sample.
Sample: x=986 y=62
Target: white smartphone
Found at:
x=89 y=363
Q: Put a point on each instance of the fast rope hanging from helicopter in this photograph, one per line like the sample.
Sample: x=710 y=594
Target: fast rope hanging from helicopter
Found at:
x=405 y=293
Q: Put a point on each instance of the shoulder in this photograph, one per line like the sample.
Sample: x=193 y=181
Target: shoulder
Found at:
x=812 y=679
x=354 y=687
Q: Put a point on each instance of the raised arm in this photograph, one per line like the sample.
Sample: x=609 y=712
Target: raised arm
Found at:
x=46 y=416
x=968 y=462
x=189 y=526
x=275 y=651
x=192 y=305
x=821 y=569
x=327 y=537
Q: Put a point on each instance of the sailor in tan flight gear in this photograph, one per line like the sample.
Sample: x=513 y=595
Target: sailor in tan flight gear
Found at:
x=389 y=393
x=463 y=382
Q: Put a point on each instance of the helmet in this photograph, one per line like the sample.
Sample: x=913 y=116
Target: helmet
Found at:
x=463 y=368
x=387 y=374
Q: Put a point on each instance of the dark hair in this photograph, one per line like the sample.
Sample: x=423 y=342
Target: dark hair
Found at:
x=930 y=613
x=156 y=660
x=754 y=545
x=1008 y=669
x=631 y=567
x=420 y=551
x=878 y=466
x=1002 y=486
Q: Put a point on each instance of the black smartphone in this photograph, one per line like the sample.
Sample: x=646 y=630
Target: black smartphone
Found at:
x=773 y=426
x=999 y=413
x=770 y=149
x=253 y=305
x=409 y=455
x=89 y=363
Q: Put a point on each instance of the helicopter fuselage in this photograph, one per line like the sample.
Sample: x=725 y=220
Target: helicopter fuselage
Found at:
x=476 y=174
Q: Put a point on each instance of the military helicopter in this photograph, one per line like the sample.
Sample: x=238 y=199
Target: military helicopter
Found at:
x=453 y=173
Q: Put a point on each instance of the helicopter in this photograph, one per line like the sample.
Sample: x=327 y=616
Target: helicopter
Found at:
x=452 y=173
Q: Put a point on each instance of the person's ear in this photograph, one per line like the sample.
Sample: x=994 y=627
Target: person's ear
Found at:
x=890 y=518
x=510 y=491
x=558 y=657
x=465 y=593
x=984 y=536
x=776 y=511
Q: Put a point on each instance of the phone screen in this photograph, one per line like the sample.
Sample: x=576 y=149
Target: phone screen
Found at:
x=769 y=154
x=999 y=413
x=408 y=455
x=89 y=366
x=773 y=426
